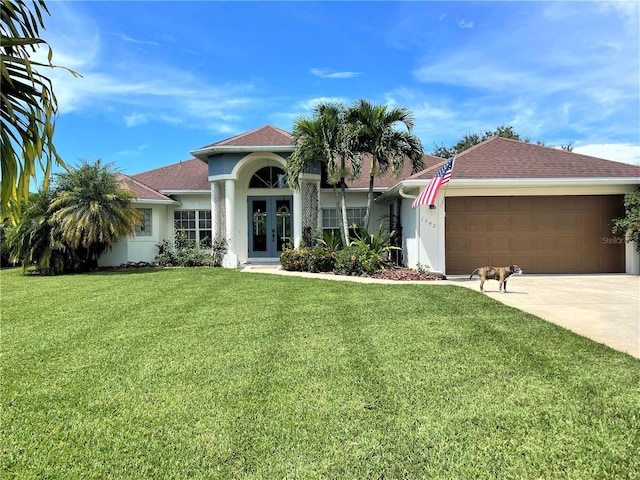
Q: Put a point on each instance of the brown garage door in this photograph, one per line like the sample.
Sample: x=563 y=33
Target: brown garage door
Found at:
x=554 y=234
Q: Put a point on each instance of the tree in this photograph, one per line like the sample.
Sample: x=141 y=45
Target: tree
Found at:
x=92 y=210
x=36 y=239
x=326 y=138
x=28 y=104
x=471 y=139
x=376 y=134
x=629 y=226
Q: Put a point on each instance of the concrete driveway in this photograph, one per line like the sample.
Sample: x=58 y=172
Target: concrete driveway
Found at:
x=604 y=308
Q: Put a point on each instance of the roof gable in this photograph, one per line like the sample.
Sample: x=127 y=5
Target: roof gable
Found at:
x=505 y=158
x=266 y=136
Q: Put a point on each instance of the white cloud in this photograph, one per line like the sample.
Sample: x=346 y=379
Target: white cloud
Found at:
x=619 y=152
x=465 y=24
x=628 y=10
x=158 y=93
x=310 y=104
x=578 y=79
x=135 y=152
x=129 y=39
x=155 y=91
x=333 y=74
x=135 y=119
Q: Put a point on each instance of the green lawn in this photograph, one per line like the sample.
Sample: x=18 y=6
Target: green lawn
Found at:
x=203 y=373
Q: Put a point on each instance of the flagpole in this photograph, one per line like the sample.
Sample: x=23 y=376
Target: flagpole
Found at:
x=418 y=243
x=444 y=195
x=444 y=217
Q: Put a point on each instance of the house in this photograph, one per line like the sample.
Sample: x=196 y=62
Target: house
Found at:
x=547 y=210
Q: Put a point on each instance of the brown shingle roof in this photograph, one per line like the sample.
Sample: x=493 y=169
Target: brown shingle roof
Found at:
x=266 y=136
x=186 y=175
x=505 y=158
x=495 y=158
x=140 y=190
x=388 y=180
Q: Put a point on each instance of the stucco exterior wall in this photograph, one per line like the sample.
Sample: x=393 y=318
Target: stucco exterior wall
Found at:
x=423 y=235
x=139 y=248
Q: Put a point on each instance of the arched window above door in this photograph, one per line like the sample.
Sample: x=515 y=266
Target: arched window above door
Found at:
x=269 y=177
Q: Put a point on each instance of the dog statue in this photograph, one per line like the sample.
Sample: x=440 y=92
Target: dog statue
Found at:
x=496 y=273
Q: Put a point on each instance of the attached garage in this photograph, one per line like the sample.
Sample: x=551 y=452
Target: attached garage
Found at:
x=541 y=234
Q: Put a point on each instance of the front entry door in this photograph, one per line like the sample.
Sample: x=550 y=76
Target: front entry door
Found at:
x=269 y=225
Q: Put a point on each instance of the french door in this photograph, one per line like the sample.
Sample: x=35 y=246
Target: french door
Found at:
x=269 y=225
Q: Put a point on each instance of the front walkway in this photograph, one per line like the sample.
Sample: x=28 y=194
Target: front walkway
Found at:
x=604 y=308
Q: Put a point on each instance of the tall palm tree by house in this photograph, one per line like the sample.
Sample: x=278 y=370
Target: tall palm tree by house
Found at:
x=92 y=210
x=326 y=138
x=375 y=128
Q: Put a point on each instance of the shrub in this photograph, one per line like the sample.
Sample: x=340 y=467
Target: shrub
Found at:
x=423 y=268
x=357 y=260
x=292 y=260
x=218 y=250
x=166 y=256
x=183 y=253
x=318 y=259
x=329 y=239
x=379 y=242
x=314 y=260
x=629 y=226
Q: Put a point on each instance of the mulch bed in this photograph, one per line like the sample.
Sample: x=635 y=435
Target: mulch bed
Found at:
x=406 y=274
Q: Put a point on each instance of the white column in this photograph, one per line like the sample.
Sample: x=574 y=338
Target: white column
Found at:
x=319 y=207
x=227 y=195
x=229 y=201
x=297 y=216
x=215 y=210
x=632 y=258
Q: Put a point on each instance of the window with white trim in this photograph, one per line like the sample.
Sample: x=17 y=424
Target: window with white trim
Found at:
x=196 y=225
x=331 y=218
x=143 y=229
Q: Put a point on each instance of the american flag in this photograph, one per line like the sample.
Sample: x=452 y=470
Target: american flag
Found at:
x=429 y=194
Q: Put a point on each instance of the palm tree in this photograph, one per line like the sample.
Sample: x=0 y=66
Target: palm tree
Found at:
x=27 y=102
x=326 y=138
x=92 y=210
x=35 y=240
x=375 y=128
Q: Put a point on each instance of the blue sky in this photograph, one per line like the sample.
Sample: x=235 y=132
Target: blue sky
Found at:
x=162 y=78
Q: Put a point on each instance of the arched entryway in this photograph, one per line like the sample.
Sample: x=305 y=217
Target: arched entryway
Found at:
x=270 y=219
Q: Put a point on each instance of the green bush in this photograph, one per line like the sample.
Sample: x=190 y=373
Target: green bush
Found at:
x=314 y=260
x=292 y=259
x=628 y=227
x=357 y=260
x=329 y=239
x=319 y=259
x=218 y=250
x=379 y=241
x=184 y=253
